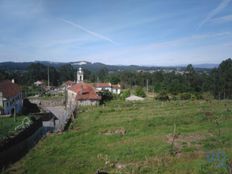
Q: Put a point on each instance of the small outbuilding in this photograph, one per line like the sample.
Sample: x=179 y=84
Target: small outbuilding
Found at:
x=134 y=98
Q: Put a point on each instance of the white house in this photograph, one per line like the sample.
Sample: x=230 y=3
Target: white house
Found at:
x=38 y=83
x=115 y=89
x=11 y=99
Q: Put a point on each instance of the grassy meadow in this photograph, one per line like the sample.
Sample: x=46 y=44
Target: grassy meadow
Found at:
x=144 y=137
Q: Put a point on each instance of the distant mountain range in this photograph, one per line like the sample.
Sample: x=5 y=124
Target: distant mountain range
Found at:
x=97 y=66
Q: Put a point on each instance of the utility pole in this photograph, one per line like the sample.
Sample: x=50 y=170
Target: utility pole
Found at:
x=48 y=77
x=147 y=85
x=14 y=114
x=65 y=97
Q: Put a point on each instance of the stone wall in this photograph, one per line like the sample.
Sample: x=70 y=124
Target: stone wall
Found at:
x=15 y=147
x=48 y=103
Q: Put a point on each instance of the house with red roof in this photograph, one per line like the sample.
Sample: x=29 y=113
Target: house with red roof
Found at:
x=11 y=100
x=69 y=83
x=82 y=94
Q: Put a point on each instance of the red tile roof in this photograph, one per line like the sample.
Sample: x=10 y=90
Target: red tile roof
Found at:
x=69 y=83
x=9 y=89
x=116 y=86
x=100 y=85
x=84 y=91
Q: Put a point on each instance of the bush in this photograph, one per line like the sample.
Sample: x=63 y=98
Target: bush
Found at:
x=174 y=97
x=140 y=92
x=163 y=96
x=126 y=93
x=185 y=96
x=105 y=96
x=207 y=96
x=199 y=96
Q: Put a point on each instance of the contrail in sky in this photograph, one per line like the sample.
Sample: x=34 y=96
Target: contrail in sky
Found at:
x=99 y=36
x=214 y=12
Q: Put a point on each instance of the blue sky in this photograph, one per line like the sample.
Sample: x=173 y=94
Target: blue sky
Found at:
x=143 y=32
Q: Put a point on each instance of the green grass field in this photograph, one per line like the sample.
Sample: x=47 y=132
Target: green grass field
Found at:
x=137 y=138
x=7 y=125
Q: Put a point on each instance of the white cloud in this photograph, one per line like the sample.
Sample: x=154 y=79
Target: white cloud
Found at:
x=214 y=12
x=222 y=19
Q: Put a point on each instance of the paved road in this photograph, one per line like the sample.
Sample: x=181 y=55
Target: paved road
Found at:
x=61 y=114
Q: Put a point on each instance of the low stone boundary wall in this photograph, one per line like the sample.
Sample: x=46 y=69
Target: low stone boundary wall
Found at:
x=47 y=103
x=5 y=115
x=14 y=148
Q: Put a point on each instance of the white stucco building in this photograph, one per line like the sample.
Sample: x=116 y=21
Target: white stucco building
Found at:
x=11 y=99
x=115 y=89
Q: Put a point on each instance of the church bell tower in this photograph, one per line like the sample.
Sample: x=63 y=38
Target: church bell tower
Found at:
x=80 y=75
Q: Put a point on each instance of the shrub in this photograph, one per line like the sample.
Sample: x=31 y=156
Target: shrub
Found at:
x=185 y=96
x=106 y=96
x=199 y=96
x=174 y=97
x=126 y=93
x=163 y=96
x=207 y=96
x=140 y=92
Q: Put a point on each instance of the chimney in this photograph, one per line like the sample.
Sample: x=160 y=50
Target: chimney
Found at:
x=13 y=81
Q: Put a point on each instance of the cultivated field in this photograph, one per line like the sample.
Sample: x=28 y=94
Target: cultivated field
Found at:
x=147 y=137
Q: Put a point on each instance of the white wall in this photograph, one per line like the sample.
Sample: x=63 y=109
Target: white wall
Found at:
x=113 y=90
x=88 y=102
x=71 y=98
x=15 y=102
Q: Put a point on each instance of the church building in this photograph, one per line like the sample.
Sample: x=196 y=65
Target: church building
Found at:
x=82 y=94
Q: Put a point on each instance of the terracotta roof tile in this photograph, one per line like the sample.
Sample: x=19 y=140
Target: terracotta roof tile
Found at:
x=9 y=89
x=84 y=91
x=103 y=85
x=69 y=83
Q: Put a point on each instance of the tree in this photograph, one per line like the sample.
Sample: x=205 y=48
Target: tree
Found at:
x=225 y=78
x=114 y=79
x=66 y=72
x=102 y=74
x=37 y=71
x=54 y=76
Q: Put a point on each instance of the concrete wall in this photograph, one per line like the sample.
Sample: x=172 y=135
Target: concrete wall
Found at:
x=116 y=91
